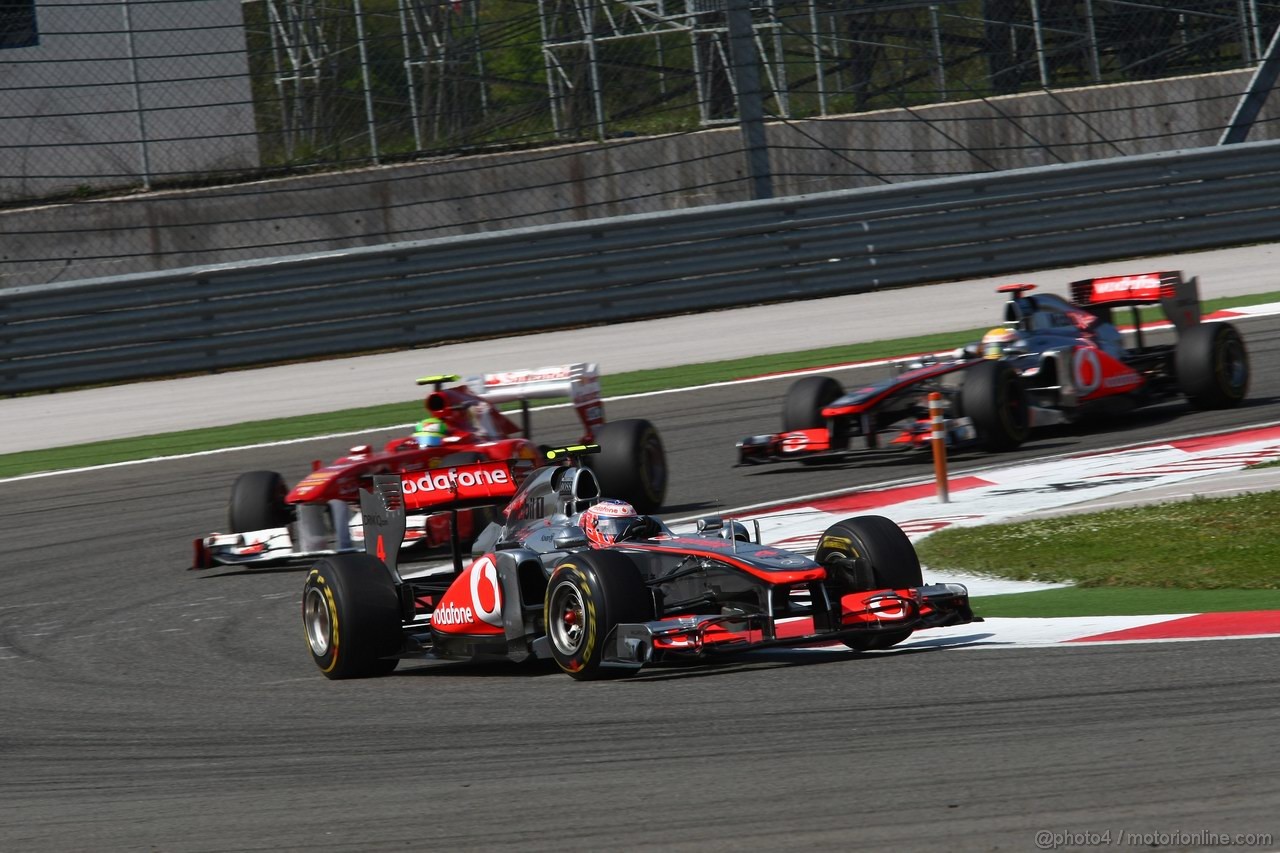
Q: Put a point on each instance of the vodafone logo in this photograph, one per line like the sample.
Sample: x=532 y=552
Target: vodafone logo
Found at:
x=474 y=598
x=1130 y=286
x=794 y=441
x=451 y=480
x=887 y=608
x=1125 y=283
x=1086 y=370
x=451 y=614
x=485 y=594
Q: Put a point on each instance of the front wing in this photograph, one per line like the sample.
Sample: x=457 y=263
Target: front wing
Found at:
x=863 y=614
x=278 y=546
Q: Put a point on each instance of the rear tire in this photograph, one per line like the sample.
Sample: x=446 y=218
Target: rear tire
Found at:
x=802 y=409
x=1212 y=366
x=588 y=595
x=257 y=502
x=632 y=464
x=884 y=559
x=351 y=616
x=995 y=400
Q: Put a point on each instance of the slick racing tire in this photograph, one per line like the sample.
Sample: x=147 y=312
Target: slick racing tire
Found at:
x=995 y=400
x=351 y=616
x=1212 y=366
x=257 y=502
x=632 y=464
x=883 y=558
x=802 y=409
x=588 y=595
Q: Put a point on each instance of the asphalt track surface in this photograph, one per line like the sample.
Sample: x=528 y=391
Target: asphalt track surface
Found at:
x=148 y=707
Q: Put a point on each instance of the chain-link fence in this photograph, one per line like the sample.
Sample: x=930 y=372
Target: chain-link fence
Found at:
x=135 y=134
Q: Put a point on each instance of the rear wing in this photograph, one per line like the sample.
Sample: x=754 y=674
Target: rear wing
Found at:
x=1178 y=297
x=579 y=382
x=575 y=381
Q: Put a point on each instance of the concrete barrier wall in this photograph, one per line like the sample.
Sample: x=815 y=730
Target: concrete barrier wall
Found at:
x=467 y=195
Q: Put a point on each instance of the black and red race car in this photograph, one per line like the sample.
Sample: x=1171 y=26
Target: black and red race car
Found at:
x=269 y=523
x=1053 y=362
x=535 y=589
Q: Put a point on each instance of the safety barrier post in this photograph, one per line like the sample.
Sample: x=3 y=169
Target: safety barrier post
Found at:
x=939 y=439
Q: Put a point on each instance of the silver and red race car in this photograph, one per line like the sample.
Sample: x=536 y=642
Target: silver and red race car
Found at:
x=535 y=588
x=269 y=523
x=1051 y=361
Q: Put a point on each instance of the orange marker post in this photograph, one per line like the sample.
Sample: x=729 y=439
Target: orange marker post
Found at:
x=939 y=438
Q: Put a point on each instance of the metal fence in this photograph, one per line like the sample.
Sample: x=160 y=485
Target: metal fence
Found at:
x=412 y=294
x=135 y=135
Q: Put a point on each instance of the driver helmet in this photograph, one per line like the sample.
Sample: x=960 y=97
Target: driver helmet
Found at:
x=430 y=432
x=609 y=521
x=997 y=341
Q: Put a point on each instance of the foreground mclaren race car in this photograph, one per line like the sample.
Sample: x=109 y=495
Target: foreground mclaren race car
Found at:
x=269 y=523
x=601 y=589
x=1050 y=362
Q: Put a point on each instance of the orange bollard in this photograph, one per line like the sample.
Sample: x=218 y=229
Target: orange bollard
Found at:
x=939 y=439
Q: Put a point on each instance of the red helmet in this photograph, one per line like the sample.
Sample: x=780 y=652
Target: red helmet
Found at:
x=607 y=521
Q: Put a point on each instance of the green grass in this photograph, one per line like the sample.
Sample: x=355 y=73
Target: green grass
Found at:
x=1191 y=556
x=1219 y=543
x=1124 y=601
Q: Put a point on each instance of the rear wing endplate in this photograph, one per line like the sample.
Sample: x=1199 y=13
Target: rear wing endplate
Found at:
x=383 y=517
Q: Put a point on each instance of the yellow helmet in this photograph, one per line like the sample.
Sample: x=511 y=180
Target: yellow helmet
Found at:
x=996 y=341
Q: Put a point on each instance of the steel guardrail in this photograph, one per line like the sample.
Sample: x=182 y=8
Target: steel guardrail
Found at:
x=219 y=317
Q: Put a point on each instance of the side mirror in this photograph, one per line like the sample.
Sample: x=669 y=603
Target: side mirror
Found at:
x=569 y=538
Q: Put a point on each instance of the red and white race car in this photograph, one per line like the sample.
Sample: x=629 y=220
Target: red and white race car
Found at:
x=1051 y=361
x=540 y=586
x=269 y=522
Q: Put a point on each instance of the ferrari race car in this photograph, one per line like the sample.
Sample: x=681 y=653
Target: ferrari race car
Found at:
x=1052 y=361
x=269 y=523
x=535 y=587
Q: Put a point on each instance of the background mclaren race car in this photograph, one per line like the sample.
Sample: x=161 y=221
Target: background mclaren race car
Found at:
x=1057 y=361
x=536 y=590
x=269 y=523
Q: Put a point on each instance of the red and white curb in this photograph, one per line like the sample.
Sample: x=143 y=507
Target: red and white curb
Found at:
x=1024 y=632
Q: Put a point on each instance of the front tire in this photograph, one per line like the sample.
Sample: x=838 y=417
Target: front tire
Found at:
x=588 y=595
x=870 y=552
x=351 y=617
x=995 y=400
x=1212 y=366
x=802 y=409
x=632 y=464
x=257 y=502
